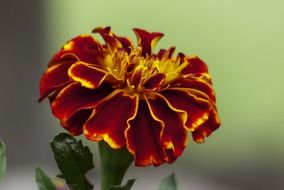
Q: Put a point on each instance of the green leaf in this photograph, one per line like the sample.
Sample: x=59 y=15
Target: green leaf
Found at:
x=43 y=181
x=74 y=160
x=2 y=160
x=169 y=183
x=127 y=186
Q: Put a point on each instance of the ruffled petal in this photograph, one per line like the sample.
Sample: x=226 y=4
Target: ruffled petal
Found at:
x=89 y=76
x=74 y=123
x=136 y=76
x=126 y=43
x=107 y=35
x=197 y=111
x=197 y=84
x=166 y=54
x=54 y=78
x=174 y=134
x=111 y=118
x=198 y=95
x=103 y=30
x=155 y=82
x=111 y=41
x=75 y=97
x=195 y=66
x=146 y=40
x=143 y=138
x=207 y=128
x=84 y=48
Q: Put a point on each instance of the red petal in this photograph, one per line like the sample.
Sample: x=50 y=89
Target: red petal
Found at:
x=75 y=97
x=200 y=85
x=161 y=53
x=155 y=82
x=207 y=128
x=53 y=78
x=143 y=138
x=174 y=134
x=74 y=124
x=89 y=76
x=111 y=41
x=180 y=57
x=198 y=95
x=195 y=66
x=136 y=76
x=166 y=54
x=126 y=43
x=147 y=40
x=84 y=48
x=110 y=119
x=103 y=30
x=197 y=112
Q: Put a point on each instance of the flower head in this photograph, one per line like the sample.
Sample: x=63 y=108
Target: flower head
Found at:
x=129 y=96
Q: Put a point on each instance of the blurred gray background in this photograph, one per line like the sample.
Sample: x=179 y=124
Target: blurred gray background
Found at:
x=241 y=41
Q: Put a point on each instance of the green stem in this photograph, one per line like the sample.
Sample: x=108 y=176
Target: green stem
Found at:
x=114 y=164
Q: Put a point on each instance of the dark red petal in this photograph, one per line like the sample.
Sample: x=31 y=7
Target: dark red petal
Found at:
x=126 y=43
x=198 y=95
x=130 y=68
x=147 y=40
x=103 y=30
x=84 y=48
x=155 y=81
x=174 y=134
x=114 y=40
x=207 y=128
x=111 y=41
x=197 y=84
x=197 y=112
x=89 y=76
x=161 y=53
x=195 y=66
x=53 y=95
x=166 y=54
x=54 y=78
x=75 y=97
x=180 y=57
x=111 y=118
x=74 y=124
x=143 y=138
x=136 y=76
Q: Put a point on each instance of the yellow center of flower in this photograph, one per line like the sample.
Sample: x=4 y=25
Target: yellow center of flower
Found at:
x=135 y=70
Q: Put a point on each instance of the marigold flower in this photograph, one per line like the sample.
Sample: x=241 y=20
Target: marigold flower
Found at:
x=130 y=96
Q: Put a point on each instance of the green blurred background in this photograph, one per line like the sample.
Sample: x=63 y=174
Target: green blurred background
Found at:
x=242 y=43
